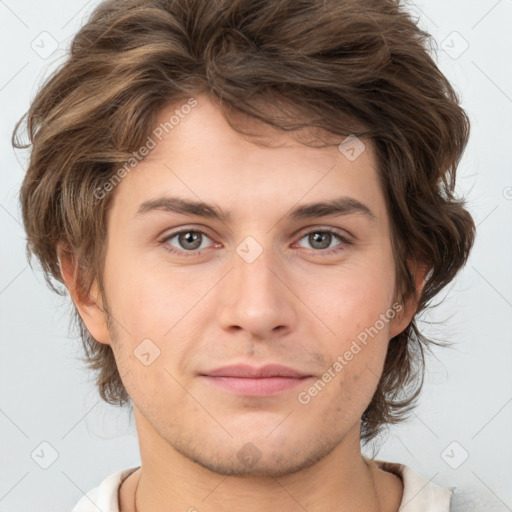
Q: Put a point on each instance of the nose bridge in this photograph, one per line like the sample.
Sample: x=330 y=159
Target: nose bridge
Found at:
x=255 y=298
x=252 y=267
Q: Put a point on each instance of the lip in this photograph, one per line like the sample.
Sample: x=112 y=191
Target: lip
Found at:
x=247 y=371
x=267 y=380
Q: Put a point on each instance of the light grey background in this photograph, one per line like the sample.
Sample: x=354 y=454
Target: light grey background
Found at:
x=47 y=396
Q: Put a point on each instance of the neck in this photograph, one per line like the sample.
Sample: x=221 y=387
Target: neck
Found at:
x=255 y=494
x=343 y=481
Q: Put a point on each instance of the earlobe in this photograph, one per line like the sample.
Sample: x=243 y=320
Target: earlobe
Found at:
x=409 y=308
x=88 y=304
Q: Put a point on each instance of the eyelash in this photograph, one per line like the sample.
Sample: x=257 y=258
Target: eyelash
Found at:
x=199 y=252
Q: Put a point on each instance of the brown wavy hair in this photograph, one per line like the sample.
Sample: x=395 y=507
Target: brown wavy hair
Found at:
x=359 y=67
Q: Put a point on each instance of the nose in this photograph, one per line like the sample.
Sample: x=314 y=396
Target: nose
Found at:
x=257 y=297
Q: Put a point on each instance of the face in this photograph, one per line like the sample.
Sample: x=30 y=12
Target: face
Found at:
x=251 y=341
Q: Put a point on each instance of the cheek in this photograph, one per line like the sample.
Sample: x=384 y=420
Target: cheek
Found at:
x=358 y=310
x=161 y=313
x=355 y=298
x=148 y=300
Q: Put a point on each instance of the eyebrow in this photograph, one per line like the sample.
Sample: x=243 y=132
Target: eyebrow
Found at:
x=333 y=207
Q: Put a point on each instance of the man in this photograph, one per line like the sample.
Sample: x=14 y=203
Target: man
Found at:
x=249 y=202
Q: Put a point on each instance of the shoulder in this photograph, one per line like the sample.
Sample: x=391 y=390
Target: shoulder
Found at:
x=469 y=499
x=104 y=497
x=422 y=495
x=419 y=494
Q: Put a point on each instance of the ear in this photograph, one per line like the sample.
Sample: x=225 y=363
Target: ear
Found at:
x=409 y=308
x=89 y=306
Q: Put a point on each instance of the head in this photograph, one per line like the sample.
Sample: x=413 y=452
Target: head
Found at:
x=257 y=108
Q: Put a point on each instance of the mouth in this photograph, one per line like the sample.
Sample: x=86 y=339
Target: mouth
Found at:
x=268 y=380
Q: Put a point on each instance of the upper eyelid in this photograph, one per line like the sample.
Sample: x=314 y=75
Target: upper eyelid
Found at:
x=330 y=229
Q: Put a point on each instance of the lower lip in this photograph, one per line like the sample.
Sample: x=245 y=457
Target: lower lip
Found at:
x=263 y=386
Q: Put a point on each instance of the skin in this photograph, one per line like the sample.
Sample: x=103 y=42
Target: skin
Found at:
x=294 y=305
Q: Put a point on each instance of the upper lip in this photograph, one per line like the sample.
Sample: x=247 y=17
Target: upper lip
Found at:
x=247 y=371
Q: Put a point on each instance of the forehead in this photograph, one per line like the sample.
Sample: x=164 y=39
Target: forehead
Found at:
x=197 y=155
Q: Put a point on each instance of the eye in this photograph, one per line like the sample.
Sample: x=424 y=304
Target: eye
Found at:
x=191 y=240
x=321 y=240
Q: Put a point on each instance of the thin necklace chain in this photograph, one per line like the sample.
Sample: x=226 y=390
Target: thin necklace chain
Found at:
x=367 y=464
